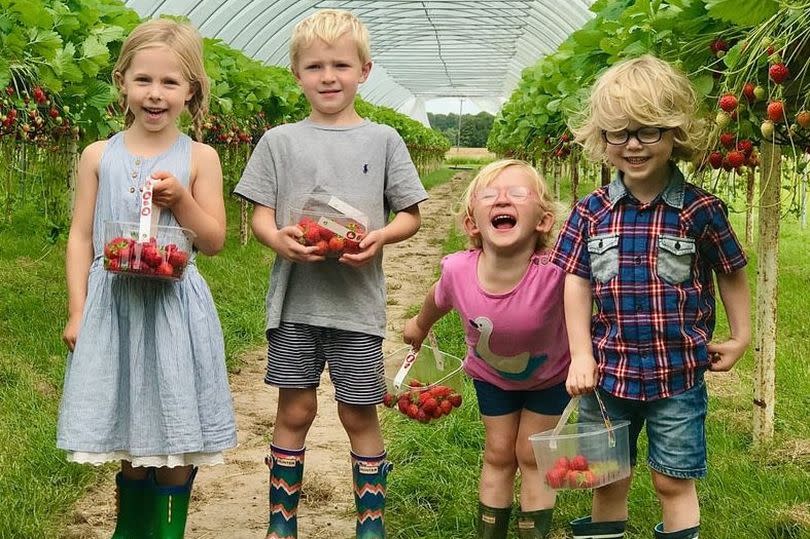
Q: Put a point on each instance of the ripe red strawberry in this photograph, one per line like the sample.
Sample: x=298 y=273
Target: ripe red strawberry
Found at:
x=164 y=269
x=53 y=113
x=728 y=140
x=455 y=400
x=718 y=47
x=778 y=73
x=336 y=244
x=562 y=463
x=555 y=477
x=403 y=405
x=388 y=400
x=776 y=111
x=735 y=158
x=716 y=160
x=351 y=246
x=579 y=462
x=177 y=258
x=430 y=404
x=745 y=146
x=414 y=383
x=326 y=234
x=422 y=417
x=728 y=103
x=446 y=407
x=112 y=264
x=39 y=95
x=321 y=247
x=803 y=119
x=413 y=411
x=748 y=92
x=312 y=235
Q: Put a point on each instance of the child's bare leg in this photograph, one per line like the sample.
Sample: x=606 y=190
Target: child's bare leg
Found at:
x=679 y=501
x=610 y=501
x=500 y=462
x=294 y=415
x=363 y=428
x=534 y=493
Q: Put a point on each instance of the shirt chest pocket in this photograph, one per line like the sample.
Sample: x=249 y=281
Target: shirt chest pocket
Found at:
x=604 y=254
x=675 y=256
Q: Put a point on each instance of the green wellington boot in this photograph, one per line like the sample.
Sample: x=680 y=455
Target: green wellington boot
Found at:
x=534 y=524
x=286 y=474
x=171 y=508
x=133 y=507
x=493 y=523
x=370 y=476
x=688 y=533
x=584 y=528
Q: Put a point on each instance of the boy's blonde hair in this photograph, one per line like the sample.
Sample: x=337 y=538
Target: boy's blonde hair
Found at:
x=645 y=90
x=329 y=25
x=186 y=43
x=487 y=175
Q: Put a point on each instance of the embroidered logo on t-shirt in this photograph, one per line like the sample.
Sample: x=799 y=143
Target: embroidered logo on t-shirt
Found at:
x=365 y=168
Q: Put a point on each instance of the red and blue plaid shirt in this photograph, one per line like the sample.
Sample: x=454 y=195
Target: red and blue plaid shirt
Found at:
x=650 y=267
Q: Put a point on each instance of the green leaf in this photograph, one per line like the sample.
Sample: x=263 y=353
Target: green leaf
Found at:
x=742 y=12
x=5 y=73
x=99 y=94
x=92 y=48
x=105 y=34
x=704 y=84
x=733 y=55
x=43 y=42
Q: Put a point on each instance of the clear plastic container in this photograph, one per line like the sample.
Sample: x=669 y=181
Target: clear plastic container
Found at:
x=424 y=387
x=164 y=256
x=583 y=455
x=330 y=224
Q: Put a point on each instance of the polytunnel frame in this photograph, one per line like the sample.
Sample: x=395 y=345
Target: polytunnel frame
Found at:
x=421 y=49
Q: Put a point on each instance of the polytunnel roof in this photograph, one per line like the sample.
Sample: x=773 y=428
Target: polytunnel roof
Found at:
x=421 y=50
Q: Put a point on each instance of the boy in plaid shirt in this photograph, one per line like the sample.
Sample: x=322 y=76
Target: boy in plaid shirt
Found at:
x=645 y=248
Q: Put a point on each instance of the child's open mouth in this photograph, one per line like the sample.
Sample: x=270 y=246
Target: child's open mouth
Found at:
x=637 y=160
x=503 y=222
x=153 y=114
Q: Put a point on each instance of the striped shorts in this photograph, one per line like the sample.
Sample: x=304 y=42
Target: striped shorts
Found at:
x=297 y=354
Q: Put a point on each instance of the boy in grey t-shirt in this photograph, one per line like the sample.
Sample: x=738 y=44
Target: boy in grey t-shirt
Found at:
x=323 y=309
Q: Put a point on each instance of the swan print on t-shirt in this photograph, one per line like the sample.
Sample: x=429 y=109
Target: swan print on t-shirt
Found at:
x=517 y=367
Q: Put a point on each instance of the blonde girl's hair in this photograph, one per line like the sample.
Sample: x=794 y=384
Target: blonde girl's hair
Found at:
x=186 y=43
x=646 y=90
x=329 y=25
x=487 y=175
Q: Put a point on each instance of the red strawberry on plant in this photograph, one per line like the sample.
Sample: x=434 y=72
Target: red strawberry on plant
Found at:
x=718 y=47
x=39 y=95
x=728 y=102
x=745 y=146
x=727 y=140
x=778 y=73
x=776 y=111
x=735 y=158
x=748 y=92
x=803 y=119
x=716 y=160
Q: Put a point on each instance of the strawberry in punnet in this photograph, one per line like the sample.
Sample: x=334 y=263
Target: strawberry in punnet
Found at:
x=803 y=119
x=716 y=160
x=776 y=111
x=164 y=270
x=728 y=103
x=112 y=248
x=736 y=158
x=778 y=73
x=745 y=146
x=388 y=400
x=579 y=462
x=555 y=477
x=455 y=400
x=336 y=244
x=728 y=140
x=748 y=92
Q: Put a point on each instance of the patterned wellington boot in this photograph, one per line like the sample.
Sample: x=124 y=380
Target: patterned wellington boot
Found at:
x=534 y=524
x=583 y=528
x=171 y=508
x=493 y=522
x=286 y=473
x=370 y=474
x=688 y=533
x=134 y=511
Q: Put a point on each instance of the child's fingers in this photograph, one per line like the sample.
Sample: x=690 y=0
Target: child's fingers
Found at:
x=161 y=175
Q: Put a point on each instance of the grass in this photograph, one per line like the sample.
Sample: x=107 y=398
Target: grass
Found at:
x=37 y=486
x=751 y=493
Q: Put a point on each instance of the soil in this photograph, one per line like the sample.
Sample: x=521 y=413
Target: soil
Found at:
x=230 y=500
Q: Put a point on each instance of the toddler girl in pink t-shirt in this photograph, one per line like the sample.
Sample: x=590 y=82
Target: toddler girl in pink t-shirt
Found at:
x=510 y=299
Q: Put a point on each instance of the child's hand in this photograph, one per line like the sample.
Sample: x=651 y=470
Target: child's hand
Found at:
x=413 y=333
x=724 y=355
x=286 y=243
x=71 y=332
x=582 y=375
x=370 y=246
x=167 y=192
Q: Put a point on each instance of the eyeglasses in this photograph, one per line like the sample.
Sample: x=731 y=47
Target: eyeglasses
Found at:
x=515 y=194
x=645 y=135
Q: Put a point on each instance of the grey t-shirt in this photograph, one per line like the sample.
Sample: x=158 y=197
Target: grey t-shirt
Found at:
x=366 y=165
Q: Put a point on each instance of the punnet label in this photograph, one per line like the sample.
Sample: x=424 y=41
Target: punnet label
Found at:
x=403 y=370
x=348 y=211
x=337 y=228
x=149 y=213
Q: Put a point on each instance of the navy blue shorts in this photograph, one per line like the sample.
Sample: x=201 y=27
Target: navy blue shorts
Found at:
x=494 y=401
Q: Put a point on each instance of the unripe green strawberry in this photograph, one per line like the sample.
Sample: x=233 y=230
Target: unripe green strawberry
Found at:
x=767 y=129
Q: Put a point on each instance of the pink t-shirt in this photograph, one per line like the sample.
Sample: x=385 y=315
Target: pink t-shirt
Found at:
x=515 y=340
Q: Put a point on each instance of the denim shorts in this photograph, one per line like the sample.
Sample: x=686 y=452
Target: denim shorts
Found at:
x=494 y=401
x=676 y=428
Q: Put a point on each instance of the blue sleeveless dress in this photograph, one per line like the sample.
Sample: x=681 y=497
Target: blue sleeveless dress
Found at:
x=146 y=381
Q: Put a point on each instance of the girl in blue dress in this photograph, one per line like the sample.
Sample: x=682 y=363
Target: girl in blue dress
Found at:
x=146 y=381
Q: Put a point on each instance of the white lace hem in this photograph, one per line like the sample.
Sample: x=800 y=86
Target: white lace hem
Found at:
x=169 y=461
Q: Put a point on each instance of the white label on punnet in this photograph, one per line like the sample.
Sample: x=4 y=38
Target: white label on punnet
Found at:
x=149 y=214
x=403 y=370
x=348 y=211
x=337 y=228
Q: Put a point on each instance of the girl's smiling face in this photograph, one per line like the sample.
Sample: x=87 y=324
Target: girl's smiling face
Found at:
x=155 y=87
x=506 y=213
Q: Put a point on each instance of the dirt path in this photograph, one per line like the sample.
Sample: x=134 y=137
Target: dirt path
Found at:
x=230 y=501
